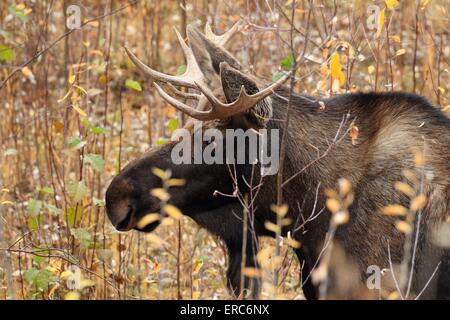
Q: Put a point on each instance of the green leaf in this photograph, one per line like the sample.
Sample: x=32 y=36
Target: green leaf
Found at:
x=288 y=62
x=53 y=209
x=34 y=207
x=40 y=279
x=278 y=75
x=96 y=161
x=46 y=190
x=133 y=85
x=76 y=143
x=161 y=141
x=11 y=152
x=33 y=223
x=31 y=274
x=93 y=129
x=77 y=190
x=73 y=217
x=19 y=13
x=83 y=235
x=173 y=124
x=181 y=69
x=104 y=255
x=98 y=130
x=5 y=34
x=6 y=54
x=98 y=202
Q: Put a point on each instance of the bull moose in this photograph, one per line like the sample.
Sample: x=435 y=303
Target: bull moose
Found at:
x=391 y=125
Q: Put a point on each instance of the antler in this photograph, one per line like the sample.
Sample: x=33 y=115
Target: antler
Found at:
x=220 y=110
x=222 y=39
x=187 y=79
x=193 y=78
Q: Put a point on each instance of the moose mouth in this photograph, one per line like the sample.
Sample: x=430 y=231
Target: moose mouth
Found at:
x=127 y=223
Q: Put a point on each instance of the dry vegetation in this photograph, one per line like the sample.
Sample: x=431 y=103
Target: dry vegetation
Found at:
x=74 y=110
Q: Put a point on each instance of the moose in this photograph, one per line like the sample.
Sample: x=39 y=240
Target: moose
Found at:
x=391 y=126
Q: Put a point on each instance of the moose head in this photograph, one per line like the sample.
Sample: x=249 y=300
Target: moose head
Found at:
x=225 y=99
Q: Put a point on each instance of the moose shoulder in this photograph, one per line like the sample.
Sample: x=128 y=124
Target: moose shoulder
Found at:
x=392 y=126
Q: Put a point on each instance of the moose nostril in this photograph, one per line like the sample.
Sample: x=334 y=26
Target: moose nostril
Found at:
x=124 y=224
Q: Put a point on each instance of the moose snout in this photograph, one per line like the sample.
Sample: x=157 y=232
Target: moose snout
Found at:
x=120 y=208
x=121 y=215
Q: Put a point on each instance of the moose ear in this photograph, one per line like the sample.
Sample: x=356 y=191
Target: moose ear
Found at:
x=232 y=81
x=208 y=54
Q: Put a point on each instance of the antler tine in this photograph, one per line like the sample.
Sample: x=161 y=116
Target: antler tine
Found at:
x=185 y=95
x=192 y=74
x=194 y=113
x=243 y=103
x=222 y=39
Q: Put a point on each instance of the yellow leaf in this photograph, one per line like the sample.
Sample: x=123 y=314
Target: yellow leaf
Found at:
x=26 y=71
x=172 y=211
x=84 y=283
x=325 y=53
x=65 y=96
x=424 y=4
x=411 y=176
x=341 y=217
x=354 y=132
x=380 y=22
x=160 y=193
x=66 y=274
x=81 y=89
x=198 y=266
x=279 y=210
x=341 y=78
x=252 y=272
x=71 y=79
x=72 y=295
x=148 y=219
x=7 y=202
x=403 y=227
x=167 y=222
x=418 y=202
x=330 y=193
x=292 y=243
x=400 y=52
x=396 y=39
x=195 y=295
x=153 y=238
x=394 y=210
x=371 y=69
x=335 y=66
x=163 y=175
x=271 y=226
x=390 y=3
x=333 y=205
x=286 y=222
x=176 y=182
x=419 y=159
x=345 y=186
x=79 y=110
x=404 y=188
x=393 y=296
x=264 y=254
